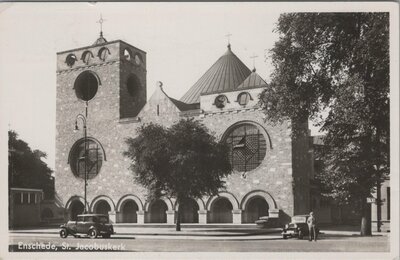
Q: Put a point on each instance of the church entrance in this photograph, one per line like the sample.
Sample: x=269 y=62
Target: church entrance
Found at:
x=221 y=211
x=75 y=209
x=189 y=211
x=129 y=212
x=255 y=208
x=158 y=212
x=102 y=207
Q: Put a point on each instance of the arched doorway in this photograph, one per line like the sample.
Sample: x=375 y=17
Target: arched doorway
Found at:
x=102 y=207
x=188 y=210
x=76 y=208
x=129 y=212
x=221 y=211
x=257 y=207
x=158 y=212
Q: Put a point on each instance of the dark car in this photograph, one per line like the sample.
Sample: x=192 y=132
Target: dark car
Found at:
x=92 y=225
x=297 y=227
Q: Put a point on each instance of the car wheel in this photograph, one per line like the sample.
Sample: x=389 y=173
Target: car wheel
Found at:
x=284 y=236
x=301 y=235
x=93 y=233
x=63 y=233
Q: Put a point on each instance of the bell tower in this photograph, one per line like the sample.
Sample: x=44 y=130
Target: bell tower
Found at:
x=103 y=83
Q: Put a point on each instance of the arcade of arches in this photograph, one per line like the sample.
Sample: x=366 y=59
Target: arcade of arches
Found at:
x=220 y=209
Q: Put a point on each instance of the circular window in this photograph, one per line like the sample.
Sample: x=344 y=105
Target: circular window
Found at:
x=247 y=147
x=103 y=53
x=86 y=85
x=93 y=162
x=71 y=59
x=243 y=98
x=220 y=101
x=133 y=85
x=87 y=57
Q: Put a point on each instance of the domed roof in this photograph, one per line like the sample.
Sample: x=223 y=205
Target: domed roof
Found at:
x=226 y=74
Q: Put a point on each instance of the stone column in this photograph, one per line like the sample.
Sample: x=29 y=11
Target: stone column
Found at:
x=170 y=217
x=119 y=217
x=112 y=215
x=140 y=216
x=202 y=216
x=237 y=216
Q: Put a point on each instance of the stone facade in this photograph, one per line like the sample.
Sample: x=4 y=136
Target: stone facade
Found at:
x=281 y=180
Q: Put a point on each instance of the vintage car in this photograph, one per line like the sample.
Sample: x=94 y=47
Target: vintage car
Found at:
x=297 y=227
x=92 y=225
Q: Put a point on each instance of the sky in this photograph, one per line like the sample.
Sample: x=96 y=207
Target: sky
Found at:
x=182 y=41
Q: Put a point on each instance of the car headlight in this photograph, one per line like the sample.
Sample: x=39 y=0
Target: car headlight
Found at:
x=286 y=226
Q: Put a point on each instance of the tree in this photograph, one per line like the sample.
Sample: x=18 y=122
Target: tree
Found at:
x=339 y=63
x=183 y=161
x=26 y=168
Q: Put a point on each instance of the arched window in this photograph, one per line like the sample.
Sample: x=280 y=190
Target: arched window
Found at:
x=247 y=146
x=244 y=98
x=70 y=60
x=87 y=57
x=93 y=162
x=127 y=54
x=220 y=101
x=103 y=53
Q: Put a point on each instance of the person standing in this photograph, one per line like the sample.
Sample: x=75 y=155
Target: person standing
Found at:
x=312 y=222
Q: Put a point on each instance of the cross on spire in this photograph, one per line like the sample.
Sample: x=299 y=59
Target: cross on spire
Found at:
x=229 y=39
x=254 y=61
x=101 y=21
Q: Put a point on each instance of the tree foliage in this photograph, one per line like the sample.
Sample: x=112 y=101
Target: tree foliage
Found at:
x=183 y=161
x=339 y=63
x=26 y=168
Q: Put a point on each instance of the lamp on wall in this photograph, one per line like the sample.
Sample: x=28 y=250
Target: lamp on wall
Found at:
x=76 y=129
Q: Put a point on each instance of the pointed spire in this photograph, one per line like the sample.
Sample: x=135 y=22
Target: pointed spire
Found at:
x=224 y=75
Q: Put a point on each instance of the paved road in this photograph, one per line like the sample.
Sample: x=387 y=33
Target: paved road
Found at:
x=257 y=243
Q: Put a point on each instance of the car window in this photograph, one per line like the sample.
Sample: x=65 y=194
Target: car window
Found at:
x=80 y=219
x=299 y=219
x=89 y=219
x=103 y=219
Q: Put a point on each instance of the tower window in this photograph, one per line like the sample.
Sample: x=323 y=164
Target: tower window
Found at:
x=70 y=60
x=133 y=85
x=127 y=54
x=87 y=57
x=93 y=162
x=86 y=85
x=103 y=53
x=247 y=147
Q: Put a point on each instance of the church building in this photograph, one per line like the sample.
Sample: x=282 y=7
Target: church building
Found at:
x=101 y=91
